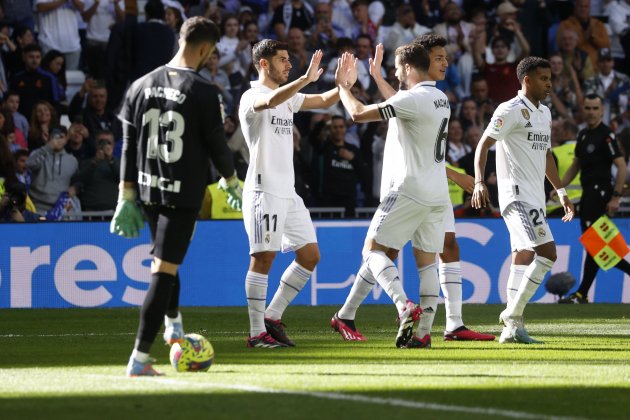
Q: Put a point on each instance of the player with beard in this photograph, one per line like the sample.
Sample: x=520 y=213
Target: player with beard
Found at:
x=449 y=277
x=172 y=125
x=521 y=130
x=274 y=215
x=414 y=204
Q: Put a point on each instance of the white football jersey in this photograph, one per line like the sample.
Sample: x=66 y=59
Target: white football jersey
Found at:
x=413 y=160
x=269 y=136
x=523 y=134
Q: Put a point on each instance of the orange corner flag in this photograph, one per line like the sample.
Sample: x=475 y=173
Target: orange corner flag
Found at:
x=603 y=241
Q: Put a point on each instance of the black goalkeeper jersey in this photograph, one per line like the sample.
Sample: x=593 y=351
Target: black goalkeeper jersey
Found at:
x=172 y=125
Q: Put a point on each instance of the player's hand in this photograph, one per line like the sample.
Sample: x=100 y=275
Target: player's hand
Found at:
x=234 y=191
x=569 y=211
x=313 y=72
x=376 y=62
x=127 y=220
x=346 y=74
x=480 y=196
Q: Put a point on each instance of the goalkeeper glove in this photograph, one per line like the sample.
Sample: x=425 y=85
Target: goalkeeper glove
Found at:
x=127 y=220
x=234 y=191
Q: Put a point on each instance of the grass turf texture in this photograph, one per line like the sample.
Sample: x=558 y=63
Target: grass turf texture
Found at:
x=70 y=364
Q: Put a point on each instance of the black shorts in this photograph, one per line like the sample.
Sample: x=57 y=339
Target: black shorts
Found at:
x=593 y=203
x=171 y=231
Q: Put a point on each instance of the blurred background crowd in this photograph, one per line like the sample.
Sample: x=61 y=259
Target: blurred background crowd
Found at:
x=65 y=66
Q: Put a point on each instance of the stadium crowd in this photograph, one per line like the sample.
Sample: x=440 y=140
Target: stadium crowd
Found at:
x=60 y=142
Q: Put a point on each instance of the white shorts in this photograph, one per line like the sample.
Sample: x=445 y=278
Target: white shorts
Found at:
x=399 y=219
x=274 y=223
x=449 y=220
x=527 y=226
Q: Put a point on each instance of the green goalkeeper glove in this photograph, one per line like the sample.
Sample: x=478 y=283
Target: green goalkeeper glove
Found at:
x=234 y=191
x=127 y=220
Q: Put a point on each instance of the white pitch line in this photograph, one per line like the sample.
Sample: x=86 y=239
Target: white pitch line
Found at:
x=397 y=402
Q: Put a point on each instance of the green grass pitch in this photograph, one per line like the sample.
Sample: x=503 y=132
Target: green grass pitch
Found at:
x=69 y=364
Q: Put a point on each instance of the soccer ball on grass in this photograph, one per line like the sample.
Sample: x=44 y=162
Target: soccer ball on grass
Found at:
x=193 y=354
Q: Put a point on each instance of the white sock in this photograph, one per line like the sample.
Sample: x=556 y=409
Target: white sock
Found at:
x=168 y=322
x=429 y=294
x=363 y=284
x=386 y=274
x=514 y=281
x=532 y=277
x=292 y=281
x=140 y=356
x=256 y=292
x=451 y=284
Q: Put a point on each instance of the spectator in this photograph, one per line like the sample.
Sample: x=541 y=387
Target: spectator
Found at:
x=59 y=29
x=339 y=169
x=235 y=53
x=457 y=31
x=153 y=43
x=469 y=114
x=292 y=14
x=510 y=30
x=98 y=178
x=53 y=169
x=591 y=32
x=566 y=94
x=265 y=19
x=95 y=115
x=610 y=85
x=173 y=18
x=19 y=14
x=7 y=164
x=251 y=33
x=479 y=93
x=12 y=104
x=574 y=56
x=78 y=144
x=618 y=13
x=99 y=15
x=535 y=19
x=346 y=45
x=8 y=129
x=362 y=23
x=403 y=31
x=22 y=173
x=13 y=202
x=54 y=63
x=457 y=148
x=34 y=84
x=43 y=118
x=501 y=72
x=299 y=56
x=12 y=55
x=324 y=32
x=217 y=77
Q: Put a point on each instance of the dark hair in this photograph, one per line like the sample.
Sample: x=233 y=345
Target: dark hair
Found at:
x=178 y=16
x=365 y=36
x=592 y=96
x=337 y=117
x=344 y=43
x=198 y=29
x=154 y=9
x=225 y=20
x=48 y=58
x=530 y=64
x=30 y=48
x=430 y=41
x=20 y=31
x=414 y=54
x=267 y=49
x=19 y=153
x=499 y=38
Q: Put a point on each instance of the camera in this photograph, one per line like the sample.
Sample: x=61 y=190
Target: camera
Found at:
x=14 y=200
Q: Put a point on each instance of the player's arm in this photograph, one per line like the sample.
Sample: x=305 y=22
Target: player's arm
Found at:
x=620 y=180
x=384 y=88
x=345 y=78
x=286 y=92
x=481 y=196
x=465 y=181
x=571 y=172
x=551 y=170
x=322 y=100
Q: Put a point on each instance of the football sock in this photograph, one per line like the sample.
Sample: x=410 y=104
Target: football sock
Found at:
x=429 y=294
x=172 y=310
x=386 y=274
x=451 y=284
x=532 y=278
x=140 y=356
x=292 y=281
x=256 y=292
x=169 y=321
x=363 y=284
x=153 y=310
x=514 y=281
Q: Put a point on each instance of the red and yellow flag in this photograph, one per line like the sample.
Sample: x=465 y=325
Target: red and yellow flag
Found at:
x=604 y=243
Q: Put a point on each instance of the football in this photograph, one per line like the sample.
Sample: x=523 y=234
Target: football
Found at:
x=193 y=354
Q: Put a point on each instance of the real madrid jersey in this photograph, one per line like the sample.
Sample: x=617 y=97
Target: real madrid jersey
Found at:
x=413 y=161
x=269 y=136
x=523 y=134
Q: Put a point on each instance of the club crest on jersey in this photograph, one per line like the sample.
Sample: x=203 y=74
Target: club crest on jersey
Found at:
x=525 y=113
x=497 y=123
x=542 y=232
x=268 y=238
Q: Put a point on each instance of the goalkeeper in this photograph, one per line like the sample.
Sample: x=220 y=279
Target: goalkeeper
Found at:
x=172 y=125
